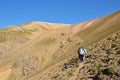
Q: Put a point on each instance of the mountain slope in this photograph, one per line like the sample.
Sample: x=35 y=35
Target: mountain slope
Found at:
x=102 y=28
x=35 y=49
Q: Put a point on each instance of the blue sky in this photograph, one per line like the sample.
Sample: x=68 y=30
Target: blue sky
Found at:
x=14 y=12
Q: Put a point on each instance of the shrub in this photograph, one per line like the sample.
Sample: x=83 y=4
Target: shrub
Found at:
x=89 y=56
x=118 y=52
x=114 y=45
x=69 y=74
x=119 y=62
x=55 y=77
x=26 y=66
x=108 y=71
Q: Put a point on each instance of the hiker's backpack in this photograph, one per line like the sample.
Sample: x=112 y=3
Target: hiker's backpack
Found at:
x=82 y=51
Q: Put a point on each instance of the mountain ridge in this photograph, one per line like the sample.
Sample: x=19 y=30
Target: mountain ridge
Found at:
x=35 y=47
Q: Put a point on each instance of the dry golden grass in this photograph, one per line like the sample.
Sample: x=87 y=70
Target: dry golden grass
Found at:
x=35 y=47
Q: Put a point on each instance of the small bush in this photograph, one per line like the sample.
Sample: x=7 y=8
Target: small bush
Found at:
x=106 y=60
x=89 y=56
x=69 y=74
x=108 y=71
x=114 y=45
x=55 y=77
x=119 y=62
x=62 y=34
x=118 y=52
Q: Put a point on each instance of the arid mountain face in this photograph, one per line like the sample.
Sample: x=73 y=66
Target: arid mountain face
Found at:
x=48 y=51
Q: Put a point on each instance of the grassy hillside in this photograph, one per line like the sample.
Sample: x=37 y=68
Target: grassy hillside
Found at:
x=102 y=62
x=103 y=27
x=34 y=49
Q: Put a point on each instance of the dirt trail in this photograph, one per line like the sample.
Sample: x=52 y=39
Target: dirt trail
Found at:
x=5 y=72
x=76 y=71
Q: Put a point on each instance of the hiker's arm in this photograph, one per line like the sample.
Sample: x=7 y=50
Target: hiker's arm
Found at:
x=85 y=51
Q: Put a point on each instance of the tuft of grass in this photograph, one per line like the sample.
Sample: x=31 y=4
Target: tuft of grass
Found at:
x=108 y=70
x=3 y=39
x=43 y=27
x=34 y=30
x=47 y=41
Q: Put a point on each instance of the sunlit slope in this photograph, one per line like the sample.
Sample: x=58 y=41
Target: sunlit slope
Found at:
x=101 y=28
x=34 y=48
x=52 y=47
x=102 y=31
x=90 y=32
x=42 y=41
x=14 y=38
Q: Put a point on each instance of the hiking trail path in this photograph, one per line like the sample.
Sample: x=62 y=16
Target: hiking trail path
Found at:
x=76 y=72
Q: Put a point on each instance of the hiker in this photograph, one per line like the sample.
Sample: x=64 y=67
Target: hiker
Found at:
x=81 y=53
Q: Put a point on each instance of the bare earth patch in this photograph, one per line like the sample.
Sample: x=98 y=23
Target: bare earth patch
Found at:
x=5 y=72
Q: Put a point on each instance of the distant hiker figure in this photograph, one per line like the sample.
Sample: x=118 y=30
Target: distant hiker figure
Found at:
x=81 y=53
